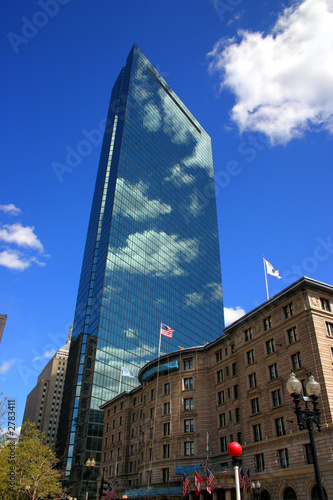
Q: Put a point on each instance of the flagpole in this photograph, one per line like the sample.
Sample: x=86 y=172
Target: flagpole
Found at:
x=121 y=377
x=159 y=345
x=264 y=261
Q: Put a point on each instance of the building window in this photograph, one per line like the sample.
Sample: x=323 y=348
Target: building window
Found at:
x=331 y=353
x=284 y=458
x=288 y=310
x=112 y=438
x=188 y=425
x=270 y=347
x=223 y=444
x=150 y=455
x=188 y=404
x=257 y=432
x=218 y=356
x=219 y=376
x=260 y=462
x=239 y=437
x=188 y=384
x=189 y=448
x=325 y=305
x=119 y=436
x=236 y=391
x=151 y=432
x=255 y=406
x=252 y=380
x=276 y=398
x=188 y=364
x=151 y=413
x=292 y=335
x=250 y=357
x=308 y=454
x=120 y=421
x=152 y=394
x=133 y=416
x=329 y=329
x=132 y=433
x=248 y=334
x=234 y=369
x=273 y=371
x=166 y=451
x=166 y=388
x=267 y=323
x=227 y=371
x=279 y=425
x=237 y=415
x=167 y=408
x=222 y=419
x=165 y=474
x=296 y=360
x=221 y=397
x=166 y=429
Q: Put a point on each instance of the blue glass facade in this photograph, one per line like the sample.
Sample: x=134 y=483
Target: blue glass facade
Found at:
x=151 y=254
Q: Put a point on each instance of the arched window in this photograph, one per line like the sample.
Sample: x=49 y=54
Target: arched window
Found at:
x=315 y=493
x=289 y=494
x=265 y=495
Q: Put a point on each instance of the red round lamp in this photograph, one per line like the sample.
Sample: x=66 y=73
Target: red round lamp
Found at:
x=235 y=449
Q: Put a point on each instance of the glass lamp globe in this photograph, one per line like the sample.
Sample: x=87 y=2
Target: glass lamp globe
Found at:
x=312 y=386
x=294 y=386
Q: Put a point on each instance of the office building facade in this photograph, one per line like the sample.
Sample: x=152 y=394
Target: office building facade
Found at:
x=43 y=403
x=151 y=255
x=234 y=389
x=3 y=319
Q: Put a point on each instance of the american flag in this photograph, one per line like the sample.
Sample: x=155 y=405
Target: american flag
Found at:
x=248 y=479
x=110 y=493
x=242 y=482
x=186 y=482
x=166 y=330
x=210 y=479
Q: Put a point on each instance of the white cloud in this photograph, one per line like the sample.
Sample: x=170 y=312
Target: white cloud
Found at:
x=179 y=176
x=210 y=293
x=47 y=355
x=6 y=365
x=283 y=80
x=10 y=209
x=232 y=314
x=20 y=235
x=145 y=207
x=161 y=253
x=13 y=260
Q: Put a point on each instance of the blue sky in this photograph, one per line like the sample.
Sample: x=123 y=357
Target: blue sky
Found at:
x=258 y=77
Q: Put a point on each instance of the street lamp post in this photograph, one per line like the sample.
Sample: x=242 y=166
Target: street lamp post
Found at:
x=308 y=417
x=256 y=489
x=235 y=451
x=90 y=464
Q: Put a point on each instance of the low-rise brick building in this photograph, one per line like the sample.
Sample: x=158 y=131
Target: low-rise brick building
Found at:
x=192 y=403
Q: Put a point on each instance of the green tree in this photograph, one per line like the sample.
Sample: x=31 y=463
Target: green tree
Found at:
x=33 y=465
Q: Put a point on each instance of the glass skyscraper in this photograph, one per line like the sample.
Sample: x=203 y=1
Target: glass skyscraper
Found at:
x=151 y=254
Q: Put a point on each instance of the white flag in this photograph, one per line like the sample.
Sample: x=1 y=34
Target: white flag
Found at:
x=128 y=373
x=271 y=270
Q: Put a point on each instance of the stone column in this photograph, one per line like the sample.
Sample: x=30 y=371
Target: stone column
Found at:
x=215 y=495
x=227 y=495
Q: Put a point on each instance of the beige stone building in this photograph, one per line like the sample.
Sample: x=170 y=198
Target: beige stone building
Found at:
x=232 y=389
x=3 y=319
x=44 y=401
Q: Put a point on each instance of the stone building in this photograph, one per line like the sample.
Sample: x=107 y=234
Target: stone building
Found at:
x=192 y=403
x=44 y=401
x=3 y=319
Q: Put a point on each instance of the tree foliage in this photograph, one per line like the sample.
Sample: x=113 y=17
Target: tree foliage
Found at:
x=28 y=467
